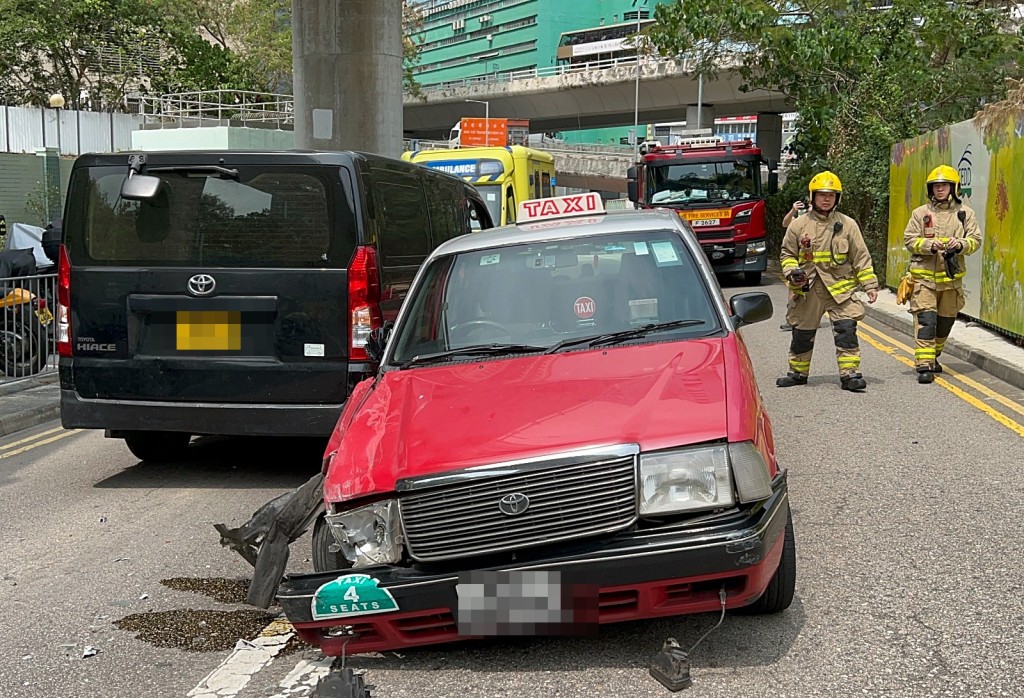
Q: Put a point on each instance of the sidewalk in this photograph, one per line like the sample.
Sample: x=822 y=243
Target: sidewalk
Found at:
x=29 y=403
x=969 y=341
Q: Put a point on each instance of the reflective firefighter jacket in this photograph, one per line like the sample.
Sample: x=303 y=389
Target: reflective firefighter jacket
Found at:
x=939 y=222
x=839 y=259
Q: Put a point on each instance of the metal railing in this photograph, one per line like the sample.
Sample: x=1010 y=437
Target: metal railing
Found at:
x=28 y=328
x=225 y=106
x=219 y=107
x=646 y=62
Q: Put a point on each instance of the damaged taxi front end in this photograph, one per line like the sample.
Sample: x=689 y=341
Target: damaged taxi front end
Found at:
x=594 y=451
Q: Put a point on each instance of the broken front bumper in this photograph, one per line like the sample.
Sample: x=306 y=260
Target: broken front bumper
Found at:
x=671 y=570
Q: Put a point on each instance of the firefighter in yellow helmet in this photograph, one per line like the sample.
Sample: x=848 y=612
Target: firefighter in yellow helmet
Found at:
x=938 y=236
x=824 y=260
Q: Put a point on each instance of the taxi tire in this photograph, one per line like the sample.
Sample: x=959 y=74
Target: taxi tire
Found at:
x=157 y=446
x=779 y=594
x=323 y=559
x=752 y=278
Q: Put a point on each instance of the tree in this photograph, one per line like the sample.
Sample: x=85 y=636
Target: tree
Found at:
x=861 y=77
x=98 y=52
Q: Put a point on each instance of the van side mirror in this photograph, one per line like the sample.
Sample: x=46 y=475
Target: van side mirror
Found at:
x=377 y=340
x=138 y=187
x=748 y=308
x=632 y=190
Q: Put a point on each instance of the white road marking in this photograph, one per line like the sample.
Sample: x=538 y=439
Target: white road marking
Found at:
x=304 y=677
x=244 y=662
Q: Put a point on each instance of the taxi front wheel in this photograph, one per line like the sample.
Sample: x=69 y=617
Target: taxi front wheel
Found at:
x=157 y=446
x=779 y=594
x=323 y=559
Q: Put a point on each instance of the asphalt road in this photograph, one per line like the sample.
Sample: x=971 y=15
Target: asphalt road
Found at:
x=906 y=503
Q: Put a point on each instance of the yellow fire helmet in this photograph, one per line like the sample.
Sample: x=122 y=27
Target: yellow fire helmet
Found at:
x=944 y=173
x=826 y=181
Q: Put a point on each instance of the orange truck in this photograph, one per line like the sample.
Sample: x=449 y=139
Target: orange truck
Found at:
x=473 y=132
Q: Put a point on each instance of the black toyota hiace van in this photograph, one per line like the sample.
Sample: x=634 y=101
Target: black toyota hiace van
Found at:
x=233 y=292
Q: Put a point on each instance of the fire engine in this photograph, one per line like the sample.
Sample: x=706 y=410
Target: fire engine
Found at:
x=716 y=186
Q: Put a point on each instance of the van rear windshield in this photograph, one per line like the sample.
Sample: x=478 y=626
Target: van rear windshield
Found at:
x=281 y=217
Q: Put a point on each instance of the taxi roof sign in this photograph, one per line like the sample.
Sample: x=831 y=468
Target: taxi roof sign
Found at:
x=559 y=207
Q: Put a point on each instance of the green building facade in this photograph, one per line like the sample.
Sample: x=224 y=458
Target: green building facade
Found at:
x=463 y=39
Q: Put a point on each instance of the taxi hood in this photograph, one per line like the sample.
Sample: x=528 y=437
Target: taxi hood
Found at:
x=429 y=420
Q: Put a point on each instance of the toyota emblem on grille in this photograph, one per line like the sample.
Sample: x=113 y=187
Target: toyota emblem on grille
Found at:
x=201 y=285
x=514 y=504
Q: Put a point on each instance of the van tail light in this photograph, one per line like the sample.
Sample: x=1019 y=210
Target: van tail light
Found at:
x=64 y=304
x=364 y=313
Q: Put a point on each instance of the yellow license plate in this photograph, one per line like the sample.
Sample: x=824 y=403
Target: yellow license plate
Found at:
x=209 y=330
x=701 y=215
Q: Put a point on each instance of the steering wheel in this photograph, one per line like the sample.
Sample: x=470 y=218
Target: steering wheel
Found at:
x=467 y=328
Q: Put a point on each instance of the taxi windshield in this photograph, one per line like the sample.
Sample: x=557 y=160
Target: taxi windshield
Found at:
x=536 y=297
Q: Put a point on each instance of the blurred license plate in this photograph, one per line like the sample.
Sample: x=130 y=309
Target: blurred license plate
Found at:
x=524 y=603
x=209 y=330
x=701 y=222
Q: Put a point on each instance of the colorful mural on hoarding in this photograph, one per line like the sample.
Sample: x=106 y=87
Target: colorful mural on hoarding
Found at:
x=992 y=178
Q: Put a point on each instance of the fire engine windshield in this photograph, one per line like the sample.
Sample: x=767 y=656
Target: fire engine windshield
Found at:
x=700 y=182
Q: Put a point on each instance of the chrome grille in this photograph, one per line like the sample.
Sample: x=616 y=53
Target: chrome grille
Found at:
x=566 y=502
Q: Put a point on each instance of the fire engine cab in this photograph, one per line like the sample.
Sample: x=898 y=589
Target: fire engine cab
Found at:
x=716 y=187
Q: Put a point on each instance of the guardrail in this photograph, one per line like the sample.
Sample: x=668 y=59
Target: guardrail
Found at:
x=553 y=148
x=28 y=337
x=685 y=64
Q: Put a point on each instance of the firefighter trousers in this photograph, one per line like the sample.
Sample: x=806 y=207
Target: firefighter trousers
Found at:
x=934 y=315
x=804 y=314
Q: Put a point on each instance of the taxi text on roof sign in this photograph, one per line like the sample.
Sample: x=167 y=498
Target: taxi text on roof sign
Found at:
x=559 y=207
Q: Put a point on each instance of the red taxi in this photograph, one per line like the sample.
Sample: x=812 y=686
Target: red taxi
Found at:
x=565 y=431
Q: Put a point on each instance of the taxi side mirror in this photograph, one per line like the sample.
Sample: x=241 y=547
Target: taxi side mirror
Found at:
x=748 y=308
x=377 y=340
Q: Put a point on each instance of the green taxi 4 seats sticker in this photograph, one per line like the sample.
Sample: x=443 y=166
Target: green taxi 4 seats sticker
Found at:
x=351 y=595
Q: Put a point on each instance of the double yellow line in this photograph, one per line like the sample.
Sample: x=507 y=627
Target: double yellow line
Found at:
x=884 y=343
x=41 y=439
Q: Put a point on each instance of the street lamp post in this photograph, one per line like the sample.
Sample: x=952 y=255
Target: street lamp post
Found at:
x=57 y=103
x=487 y=120
x=636 y=95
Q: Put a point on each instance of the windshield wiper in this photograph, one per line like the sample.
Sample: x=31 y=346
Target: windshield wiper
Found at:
x=472 y=350
x=604 y=340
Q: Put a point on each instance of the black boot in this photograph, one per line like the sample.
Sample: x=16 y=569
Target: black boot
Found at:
x=938 y=367
x=854 y=382
x=925 y=377
x=790 y=379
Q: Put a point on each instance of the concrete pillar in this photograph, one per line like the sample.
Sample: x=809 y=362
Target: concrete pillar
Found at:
x=769 y=135
x=707 y=116
x=347 y=74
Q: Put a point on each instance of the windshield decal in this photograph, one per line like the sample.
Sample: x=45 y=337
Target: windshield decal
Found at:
x=665 y=254
x=640 y=247
x=584 y=307
x=489 y=259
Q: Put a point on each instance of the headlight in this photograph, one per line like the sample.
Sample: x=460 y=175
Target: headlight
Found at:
x=697 y=479
x=743 y=216
x=758 y=247
x=691 y=479
x=370 y=535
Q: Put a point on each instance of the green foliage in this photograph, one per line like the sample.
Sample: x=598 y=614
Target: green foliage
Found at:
x=860 y=78
x=36 y=203
x=97 y=52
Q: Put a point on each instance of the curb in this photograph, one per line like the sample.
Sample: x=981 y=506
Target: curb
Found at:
x=1000 y=368
x=28 y=419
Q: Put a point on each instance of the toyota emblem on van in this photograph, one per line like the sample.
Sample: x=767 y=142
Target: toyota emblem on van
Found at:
x=201 y=285
x=514 y=504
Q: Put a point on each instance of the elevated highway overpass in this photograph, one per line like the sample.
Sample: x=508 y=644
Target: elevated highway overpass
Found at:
x=590 y=95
